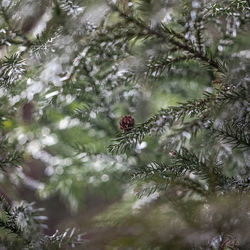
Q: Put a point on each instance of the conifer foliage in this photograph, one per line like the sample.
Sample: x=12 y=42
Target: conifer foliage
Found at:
x=146 y=100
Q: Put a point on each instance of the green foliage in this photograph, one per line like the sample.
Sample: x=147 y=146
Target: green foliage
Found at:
x=11 y=69
x=168 y=117
x=71 y=69
x=22 y=225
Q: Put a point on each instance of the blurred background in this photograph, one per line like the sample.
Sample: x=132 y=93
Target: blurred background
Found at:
x=68 y=75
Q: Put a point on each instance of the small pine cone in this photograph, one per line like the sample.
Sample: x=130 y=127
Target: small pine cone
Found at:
x=127 y=122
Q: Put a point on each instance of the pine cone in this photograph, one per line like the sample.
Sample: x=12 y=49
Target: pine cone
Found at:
x=127 y=122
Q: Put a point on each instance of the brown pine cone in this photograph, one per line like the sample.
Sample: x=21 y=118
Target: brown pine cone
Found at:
x=127 y=122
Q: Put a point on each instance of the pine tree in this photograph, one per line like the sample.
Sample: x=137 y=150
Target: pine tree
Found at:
x=83 y=73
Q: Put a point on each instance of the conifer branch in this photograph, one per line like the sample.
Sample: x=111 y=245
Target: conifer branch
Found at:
x=157 y=65
x=235 y=134
x=11 y=69
x=178 y=170
x=25 y=222
x=188 y=160
x=233 y=8
x=165 y=118
x=69 y=238
x=172 y=36
x=7 y=220
x=24 y=40
x=9 y=156
x=188 y=130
